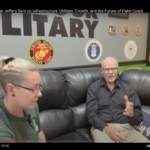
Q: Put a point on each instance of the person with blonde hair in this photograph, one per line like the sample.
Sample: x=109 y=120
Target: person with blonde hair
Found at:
x=19 y=92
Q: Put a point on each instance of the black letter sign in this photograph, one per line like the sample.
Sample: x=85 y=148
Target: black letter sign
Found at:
x=58 y=21
x=7 y=25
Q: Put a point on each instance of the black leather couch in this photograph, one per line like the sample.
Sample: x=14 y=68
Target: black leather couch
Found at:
x=62 y=105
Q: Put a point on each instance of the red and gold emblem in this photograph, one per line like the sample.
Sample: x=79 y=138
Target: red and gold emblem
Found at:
x=41 y=52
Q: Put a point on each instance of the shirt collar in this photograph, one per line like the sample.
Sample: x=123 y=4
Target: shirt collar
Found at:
x=103 y=83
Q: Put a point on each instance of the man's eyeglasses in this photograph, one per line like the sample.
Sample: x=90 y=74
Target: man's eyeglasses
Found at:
x=108 y=69
x=34 y=91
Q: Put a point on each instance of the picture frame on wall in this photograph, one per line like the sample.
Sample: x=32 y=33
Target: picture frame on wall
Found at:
x=119 y=15
x=112 y=29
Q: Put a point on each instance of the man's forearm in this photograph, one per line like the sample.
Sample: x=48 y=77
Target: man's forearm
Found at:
x=136 y=119
x=98 y=123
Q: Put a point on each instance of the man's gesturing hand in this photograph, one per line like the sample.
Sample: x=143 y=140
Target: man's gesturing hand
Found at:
x=129 y=108
x=115 y=135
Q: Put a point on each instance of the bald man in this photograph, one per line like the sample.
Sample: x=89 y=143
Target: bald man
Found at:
x=113 y=107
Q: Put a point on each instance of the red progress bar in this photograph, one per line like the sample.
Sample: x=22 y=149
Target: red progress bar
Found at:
x=13 y=141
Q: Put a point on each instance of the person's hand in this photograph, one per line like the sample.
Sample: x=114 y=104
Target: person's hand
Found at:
x=129 y=108
x=115 y=135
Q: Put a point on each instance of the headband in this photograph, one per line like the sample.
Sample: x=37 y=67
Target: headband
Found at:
x=8 y=60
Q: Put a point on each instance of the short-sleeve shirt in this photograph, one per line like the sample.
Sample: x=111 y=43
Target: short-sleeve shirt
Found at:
x=19 y=129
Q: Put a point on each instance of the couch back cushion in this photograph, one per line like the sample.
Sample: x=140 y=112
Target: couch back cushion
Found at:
x=56 y=122
x=139 y=80
x=77 y=82
x=80 y=116
x=54 y=93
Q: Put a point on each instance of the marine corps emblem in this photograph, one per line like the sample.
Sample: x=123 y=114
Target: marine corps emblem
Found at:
x=41 y=52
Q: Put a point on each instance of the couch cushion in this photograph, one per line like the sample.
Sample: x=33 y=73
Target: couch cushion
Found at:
x=70 y=137
x=56 y=122
x=54 y=93
x=77 y=82
x=86 y=133
x=146 y=109
x=139 y=80
x=80 y=116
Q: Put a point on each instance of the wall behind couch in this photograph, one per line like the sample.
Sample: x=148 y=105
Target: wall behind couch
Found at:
x=18 y=31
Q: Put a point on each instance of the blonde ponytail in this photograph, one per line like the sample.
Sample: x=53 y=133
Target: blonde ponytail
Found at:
x=2 y=64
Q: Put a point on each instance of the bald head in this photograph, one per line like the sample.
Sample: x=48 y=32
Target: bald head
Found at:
x=109 y=61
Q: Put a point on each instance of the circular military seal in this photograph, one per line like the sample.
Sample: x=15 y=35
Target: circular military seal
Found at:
x=41 y=52
x=138 y=30
x=130 y=49
x=93 y=50
x=125 y=29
